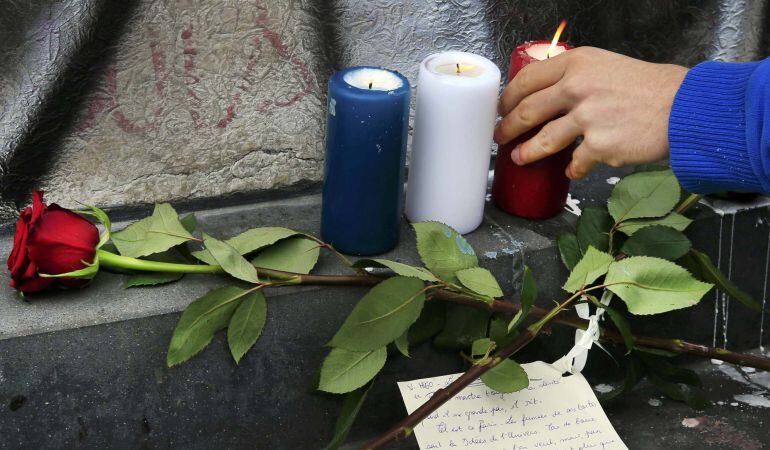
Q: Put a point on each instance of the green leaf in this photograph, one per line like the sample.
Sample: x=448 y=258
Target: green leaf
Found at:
x=156 y=278
x=131 y=240
x=463 y=325
x=204 y=317
x=250 y=241
x=499 y=332
x=383 y=315
x=165 y=221
x=644 y=194
x=86 y=273
x=569 y=250
x=528 y=297
x=153 y=234
x=345 y=370
x=658 y=241
x=701 y=266
x=246 y=324
x=480 y=281
x=593 y=265
x=230 y=260
x=397 y=267
x=634 y=373
x=480 y=347
x=189 y=222
x=622 y=325
x=402 y=343
x=619 y=320
x=295 y=254
x=350 y=409
x=673 y=220
x=649 y=167
x=152 y=279
x=652 y=285
x=110 y=247
x=669 y=372
x=679 y=392
x=506 y=377
x=431 y=322
x=103 y=218
x=593 y=227
x=443 y=250
x=528 y=288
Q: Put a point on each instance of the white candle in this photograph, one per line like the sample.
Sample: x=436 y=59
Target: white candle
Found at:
x=452 y=143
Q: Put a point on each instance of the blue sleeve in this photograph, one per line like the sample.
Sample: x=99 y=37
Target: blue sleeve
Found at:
x=719 y=128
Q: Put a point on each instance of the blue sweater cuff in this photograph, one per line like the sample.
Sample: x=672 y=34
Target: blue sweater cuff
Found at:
x=707 y=130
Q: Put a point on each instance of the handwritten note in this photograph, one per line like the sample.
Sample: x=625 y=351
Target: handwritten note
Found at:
x=554 y=412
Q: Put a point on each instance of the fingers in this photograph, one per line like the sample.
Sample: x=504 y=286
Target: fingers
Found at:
x=581 y=163
x=532 y=111
x=532 y=78
x=553 y=137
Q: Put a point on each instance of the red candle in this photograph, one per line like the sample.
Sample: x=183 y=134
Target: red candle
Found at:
x=537 y=190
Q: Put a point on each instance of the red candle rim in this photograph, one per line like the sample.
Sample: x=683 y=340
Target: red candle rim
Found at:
x=521 y=49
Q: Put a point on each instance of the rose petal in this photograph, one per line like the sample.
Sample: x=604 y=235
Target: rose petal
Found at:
x=61 y=241
x=35 y=285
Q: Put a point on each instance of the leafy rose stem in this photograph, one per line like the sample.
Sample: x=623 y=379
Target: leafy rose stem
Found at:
x=112 y=260
x=503 y=306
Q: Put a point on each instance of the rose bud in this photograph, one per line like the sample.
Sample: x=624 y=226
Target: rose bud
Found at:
x=50 y=240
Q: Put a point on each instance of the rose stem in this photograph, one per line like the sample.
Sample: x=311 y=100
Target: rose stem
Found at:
x=108 y=259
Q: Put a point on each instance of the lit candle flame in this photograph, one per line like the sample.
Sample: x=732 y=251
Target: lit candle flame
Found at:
x=555 y=39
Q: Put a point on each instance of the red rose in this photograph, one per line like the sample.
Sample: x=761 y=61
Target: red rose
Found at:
x=50 y=240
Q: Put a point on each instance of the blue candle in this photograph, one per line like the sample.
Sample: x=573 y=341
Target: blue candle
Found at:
x=367 y=124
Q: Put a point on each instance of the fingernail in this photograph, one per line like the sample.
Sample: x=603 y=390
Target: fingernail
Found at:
x=516 y=155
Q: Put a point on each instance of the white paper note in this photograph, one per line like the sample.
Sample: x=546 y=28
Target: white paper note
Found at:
x=554 y=412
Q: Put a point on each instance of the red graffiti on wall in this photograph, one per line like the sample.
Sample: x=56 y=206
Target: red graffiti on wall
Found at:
x=110 y=99
x=189 y=79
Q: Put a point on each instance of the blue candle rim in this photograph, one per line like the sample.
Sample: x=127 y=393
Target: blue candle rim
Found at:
x=404 y=88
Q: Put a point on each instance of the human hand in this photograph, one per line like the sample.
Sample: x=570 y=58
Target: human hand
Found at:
x=619 y=105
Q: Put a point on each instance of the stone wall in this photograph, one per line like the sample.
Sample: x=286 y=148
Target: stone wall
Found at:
x=128 y=103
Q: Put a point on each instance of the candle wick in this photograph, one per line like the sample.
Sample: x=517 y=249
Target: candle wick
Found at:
x=370 y=85
x=458 y=67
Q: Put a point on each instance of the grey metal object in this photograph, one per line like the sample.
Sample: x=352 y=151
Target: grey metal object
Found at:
x=128 y=103
x=739 y=30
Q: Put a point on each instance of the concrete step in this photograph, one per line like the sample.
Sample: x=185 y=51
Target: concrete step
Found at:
x=86 y=368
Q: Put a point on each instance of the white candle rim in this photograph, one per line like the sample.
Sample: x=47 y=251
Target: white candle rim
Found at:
x=490 y=72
